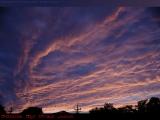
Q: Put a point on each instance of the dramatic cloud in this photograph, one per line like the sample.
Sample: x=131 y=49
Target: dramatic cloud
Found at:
x=57 y=57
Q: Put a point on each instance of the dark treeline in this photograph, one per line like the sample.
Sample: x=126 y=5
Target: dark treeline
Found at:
x=145 y=109
x=148 y=109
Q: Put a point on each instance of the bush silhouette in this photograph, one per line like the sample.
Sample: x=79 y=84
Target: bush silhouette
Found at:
x=153 y=105
x=142 y=105
x=127 y=109
x=32 y=110
x=108 y=107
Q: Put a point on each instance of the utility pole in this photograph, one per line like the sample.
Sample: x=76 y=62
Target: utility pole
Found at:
x=77 y=108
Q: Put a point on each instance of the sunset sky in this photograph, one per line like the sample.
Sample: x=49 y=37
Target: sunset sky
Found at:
x=56 y=57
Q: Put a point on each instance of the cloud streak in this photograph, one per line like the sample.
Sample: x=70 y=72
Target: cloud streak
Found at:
x=72 y=55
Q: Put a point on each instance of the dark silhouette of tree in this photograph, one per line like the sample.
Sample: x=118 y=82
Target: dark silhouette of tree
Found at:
x=148 y=109
x=2 y=110
x=105 y=112
x=142 y=105
x=96 y=110
x=108 y=106
x=145 y=109
x=153 y=105
x=127 y=109
x=32 y=110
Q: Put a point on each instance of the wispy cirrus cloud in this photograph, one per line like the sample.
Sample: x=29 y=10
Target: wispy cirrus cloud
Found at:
x=88 y=56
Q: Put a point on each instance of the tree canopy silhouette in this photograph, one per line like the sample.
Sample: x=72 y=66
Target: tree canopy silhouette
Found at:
x=148 y=108
x=142 y=105
x=32 y=110
x=153 y=105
